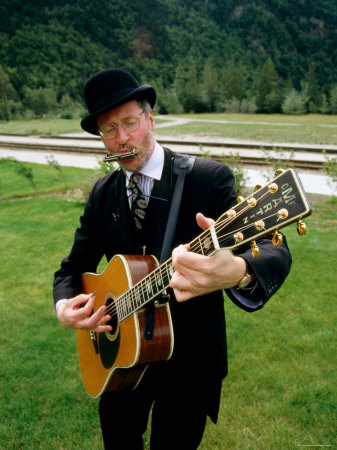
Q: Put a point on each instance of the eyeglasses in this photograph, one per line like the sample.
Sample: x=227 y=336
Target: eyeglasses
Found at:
x=129 y=124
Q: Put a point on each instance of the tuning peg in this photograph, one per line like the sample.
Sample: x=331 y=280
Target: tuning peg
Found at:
x=301 y=228
x=239 y=199
x=255 y=249
x=257 y=187
x=277 y=239
x=278 y=172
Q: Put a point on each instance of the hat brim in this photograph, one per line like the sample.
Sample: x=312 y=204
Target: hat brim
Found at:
x=147 y=92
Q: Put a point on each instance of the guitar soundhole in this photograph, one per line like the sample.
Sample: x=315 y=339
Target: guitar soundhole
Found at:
x=113 y=322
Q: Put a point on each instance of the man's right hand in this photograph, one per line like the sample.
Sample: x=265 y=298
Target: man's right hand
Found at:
x=77 y=313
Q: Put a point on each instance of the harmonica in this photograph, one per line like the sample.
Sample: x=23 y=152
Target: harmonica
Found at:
x=112 y=158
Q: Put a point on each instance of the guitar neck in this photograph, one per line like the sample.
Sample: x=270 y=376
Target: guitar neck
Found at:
x=159 y=280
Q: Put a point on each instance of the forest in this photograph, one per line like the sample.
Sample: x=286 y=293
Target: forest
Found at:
x=262 y=56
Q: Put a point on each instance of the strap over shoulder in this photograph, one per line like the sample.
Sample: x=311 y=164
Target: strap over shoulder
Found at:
x=182 y=165
x=183 y=162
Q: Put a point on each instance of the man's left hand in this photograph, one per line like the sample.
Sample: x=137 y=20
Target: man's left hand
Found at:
x=197 y=274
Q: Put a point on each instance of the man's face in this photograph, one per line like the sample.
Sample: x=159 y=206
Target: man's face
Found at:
x=141 y=139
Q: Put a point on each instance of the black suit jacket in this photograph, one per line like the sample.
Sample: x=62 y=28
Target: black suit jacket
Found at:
x=107 y=228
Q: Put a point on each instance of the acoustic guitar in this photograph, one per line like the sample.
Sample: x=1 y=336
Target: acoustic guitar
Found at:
x=133 y=287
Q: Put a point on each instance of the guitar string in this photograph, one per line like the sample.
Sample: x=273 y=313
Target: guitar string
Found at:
x=126 y=299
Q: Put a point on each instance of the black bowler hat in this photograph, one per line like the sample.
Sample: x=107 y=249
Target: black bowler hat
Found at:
x=108 y=89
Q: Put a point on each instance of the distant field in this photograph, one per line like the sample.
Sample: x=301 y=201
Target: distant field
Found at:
x=311 y=128
x=314 y=129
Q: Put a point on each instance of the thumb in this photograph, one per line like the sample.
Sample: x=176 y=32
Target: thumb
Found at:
x=204 y=222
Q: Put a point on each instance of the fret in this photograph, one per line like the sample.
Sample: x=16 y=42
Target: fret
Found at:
x=118 y=309
x=133 y=299
x=129 y=304
x=125 y=305
x=148 y=287
x=159 y=278
x=154 y=285
x=137 y=295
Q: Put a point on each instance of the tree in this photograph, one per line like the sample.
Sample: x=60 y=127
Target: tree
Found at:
x=187 y=86
x=266 y=88
x=313 y=91
x=233 y=81
x=41 y=101
x=7 y=93
x=210 y=85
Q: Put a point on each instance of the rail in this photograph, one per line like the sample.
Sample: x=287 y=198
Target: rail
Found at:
x=300 y=156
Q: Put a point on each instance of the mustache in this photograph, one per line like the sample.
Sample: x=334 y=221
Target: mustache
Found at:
x=124 y=147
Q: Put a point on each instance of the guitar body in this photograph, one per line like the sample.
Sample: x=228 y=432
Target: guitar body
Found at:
x=116 y=360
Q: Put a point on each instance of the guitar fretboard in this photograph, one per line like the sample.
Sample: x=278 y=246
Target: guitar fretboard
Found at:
x=158 y=280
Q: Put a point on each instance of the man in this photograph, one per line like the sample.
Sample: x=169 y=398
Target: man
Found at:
x=186 y=388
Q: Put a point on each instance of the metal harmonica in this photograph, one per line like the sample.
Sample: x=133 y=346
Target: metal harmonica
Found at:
x=112 y=158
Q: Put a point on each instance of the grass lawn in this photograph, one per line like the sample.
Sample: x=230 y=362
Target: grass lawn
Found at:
x=281 y=389
x=313 y=128
x=47 y=125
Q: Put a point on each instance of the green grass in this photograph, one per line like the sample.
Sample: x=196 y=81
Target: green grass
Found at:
x=313 y=128
x=281 y=388
x=45 y=178
x=47 y=125
x=316 y=129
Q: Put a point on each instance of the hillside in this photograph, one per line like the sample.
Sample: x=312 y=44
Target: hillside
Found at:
x=59 y=43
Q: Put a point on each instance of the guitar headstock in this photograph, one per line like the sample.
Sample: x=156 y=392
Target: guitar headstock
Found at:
x=271 y=207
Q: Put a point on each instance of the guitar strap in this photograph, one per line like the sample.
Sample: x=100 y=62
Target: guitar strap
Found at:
x=182 y=165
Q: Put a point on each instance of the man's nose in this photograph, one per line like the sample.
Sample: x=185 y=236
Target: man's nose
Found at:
x=122 y=135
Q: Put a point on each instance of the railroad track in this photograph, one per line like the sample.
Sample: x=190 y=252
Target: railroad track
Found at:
x=310 y=157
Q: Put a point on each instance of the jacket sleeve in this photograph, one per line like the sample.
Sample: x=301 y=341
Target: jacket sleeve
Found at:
x=270 y=269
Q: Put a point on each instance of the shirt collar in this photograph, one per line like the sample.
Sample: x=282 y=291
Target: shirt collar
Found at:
x=154 y=167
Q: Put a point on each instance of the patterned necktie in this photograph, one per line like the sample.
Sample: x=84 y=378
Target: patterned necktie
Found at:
x=138 y=202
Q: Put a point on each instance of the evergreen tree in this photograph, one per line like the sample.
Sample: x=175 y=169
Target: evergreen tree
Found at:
x=268 y=98
x=7 y=95
x=313 y=91
x=210 y=85
x=233 y=81
x=187 y=86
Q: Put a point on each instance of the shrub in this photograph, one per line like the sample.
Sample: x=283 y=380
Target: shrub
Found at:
x=248 y=105
x=294 y=103
x=232 y=105
x=42 y=101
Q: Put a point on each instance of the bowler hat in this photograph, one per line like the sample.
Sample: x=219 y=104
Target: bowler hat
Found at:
x=108 y=89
